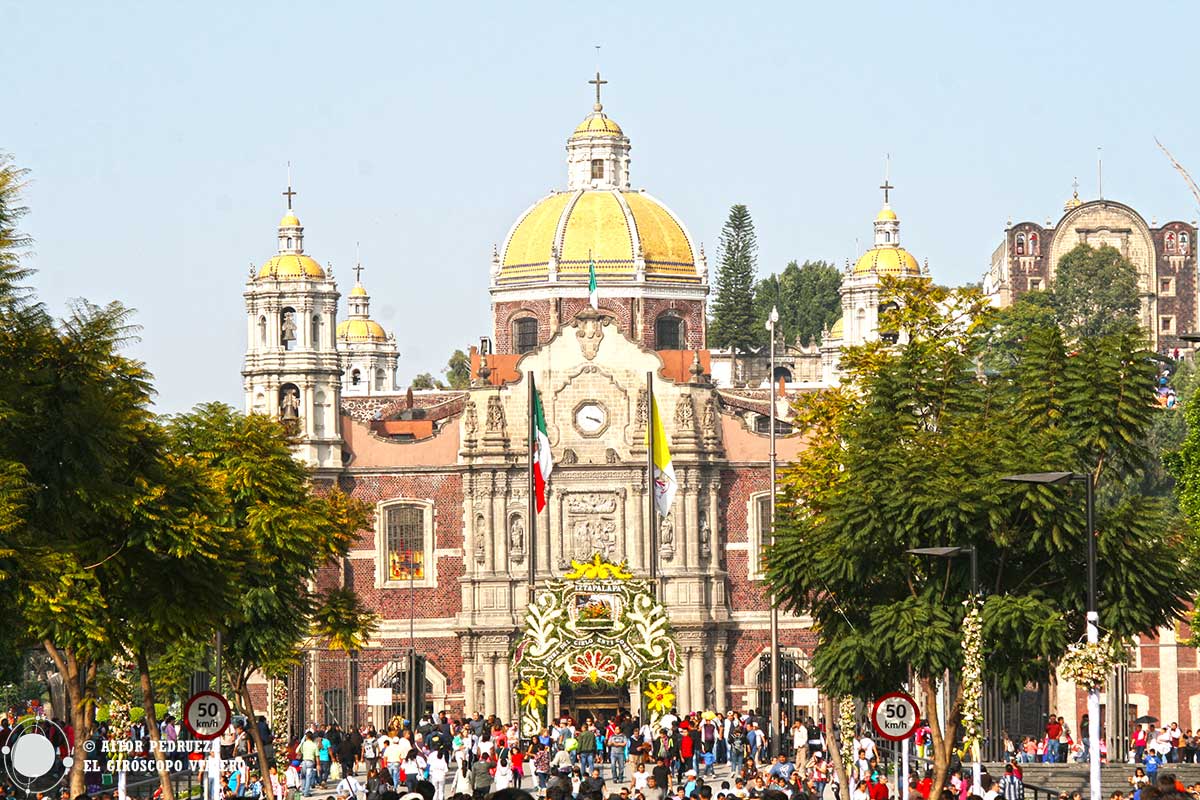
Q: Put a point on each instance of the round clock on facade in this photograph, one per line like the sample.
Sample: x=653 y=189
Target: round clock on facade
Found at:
x=591 y=418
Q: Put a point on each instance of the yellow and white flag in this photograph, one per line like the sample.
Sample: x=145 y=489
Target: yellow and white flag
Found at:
x=664 y=471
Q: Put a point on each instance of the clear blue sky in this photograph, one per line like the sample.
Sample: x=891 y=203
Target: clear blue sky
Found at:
x=157 y=135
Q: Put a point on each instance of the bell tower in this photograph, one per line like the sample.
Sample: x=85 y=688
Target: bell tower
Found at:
x=291 y=369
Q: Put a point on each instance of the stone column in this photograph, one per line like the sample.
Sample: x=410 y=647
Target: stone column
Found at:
x=468 y=669
x=636 y=530
x=683 y=684
x=719 y=678
x=696 y=678
x=691 y=512
x=493 y=510
x=504 y=689
x=489 y=684
x=1168 y=679
x=499 y=541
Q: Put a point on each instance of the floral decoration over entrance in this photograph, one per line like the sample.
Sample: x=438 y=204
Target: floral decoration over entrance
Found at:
x=598 y=625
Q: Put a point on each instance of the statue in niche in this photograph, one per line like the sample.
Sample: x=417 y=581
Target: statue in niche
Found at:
x=709 y=421
x=288 y=327
x=289 y=405
x=705 y=536
x=516 y=538
x=666 y=536
x=480 y=535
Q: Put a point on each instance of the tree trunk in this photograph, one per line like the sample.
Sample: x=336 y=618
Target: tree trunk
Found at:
x=834 y=745
x=164 y=774
x=242 y=692
x=79 y=687
x=943 y=741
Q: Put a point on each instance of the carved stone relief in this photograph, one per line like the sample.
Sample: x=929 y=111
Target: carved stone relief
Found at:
x=685 y=414
x=590 y=332
x=611 y=456
x=568 y=457
x=470 y=419
x=495 y=415
x=591 y=523
x=640 y=413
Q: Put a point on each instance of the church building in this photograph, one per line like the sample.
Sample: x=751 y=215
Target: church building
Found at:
x=447 y=560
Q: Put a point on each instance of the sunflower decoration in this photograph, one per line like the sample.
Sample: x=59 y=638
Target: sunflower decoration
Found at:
x=661 y=696
x=533 y=692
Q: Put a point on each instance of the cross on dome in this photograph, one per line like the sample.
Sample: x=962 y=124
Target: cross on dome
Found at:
x=886 y=185
x=597 y=82
x=289 y=194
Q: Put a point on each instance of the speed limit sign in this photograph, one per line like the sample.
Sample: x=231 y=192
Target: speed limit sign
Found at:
x=895 y=716
x=206 y=715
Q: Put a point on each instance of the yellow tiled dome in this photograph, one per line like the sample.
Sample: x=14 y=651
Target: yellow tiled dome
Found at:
x=888 y=261
x=600 y=224
x=837 y=330
x=361 y=330
x=358 y=291
x=290 y=220
x=597 y=124
x=291 y=267
x=885 y=213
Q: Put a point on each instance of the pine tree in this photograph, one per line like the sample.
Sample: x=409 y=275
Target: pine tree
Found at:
x=733 y=321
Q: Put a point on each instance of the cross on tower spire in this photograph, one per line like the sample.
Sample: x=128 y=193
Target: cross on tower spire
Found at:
x=886 y=185
x=598 y=83
x=358 y=268
x=289 y=194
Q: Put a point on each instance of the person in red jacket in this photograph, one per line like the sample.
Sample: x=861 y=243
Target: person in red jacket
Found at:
x=879 y=789
x=925 y=784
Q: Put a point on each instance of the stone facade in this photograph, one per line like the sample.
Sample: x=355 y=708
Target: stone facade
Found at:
x=1165 y=258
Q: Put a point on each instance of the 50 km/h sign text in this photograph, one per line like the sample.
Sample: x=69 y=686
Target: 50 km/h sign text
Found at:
x=895 y=716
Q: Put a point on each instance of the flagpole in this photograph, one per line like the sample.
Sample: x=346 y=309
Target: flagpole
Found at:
x=651 y=510
x=531 y=555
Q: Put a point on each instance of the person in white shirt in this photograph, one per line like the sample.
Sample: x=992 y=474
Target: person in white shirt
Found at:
x=438 y=770
x=867 y=745
x=349 y=787
x=212 y=772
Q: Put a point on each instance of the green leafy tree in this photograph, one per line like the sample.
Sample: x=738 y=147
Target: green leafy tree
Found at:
x=808 y=300
x=733 y=320
x=426 y=381
x=286 y=531
x=912 y=456
x=1096 y=292
x=458 y=370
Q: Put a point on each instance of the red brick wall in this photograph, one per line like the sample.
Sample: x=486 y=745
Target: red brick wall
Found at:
x=1182 y=306
x=737 y=484
x=692 y=313
x=444 y=490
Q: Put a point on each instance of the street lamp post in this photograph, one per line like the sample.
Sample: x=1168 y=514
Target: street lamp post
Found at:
x=1093 y=616
x=776 y=732
x=951 y=552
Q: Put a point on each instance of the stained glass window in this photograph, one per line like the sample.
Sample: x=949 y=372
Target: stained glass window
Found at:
x=405 y=528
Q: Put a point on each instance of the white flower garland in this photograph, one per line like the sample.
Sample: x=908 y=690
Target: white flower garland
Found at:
x=1088 y=665
x=847 y=712
x=972 y=677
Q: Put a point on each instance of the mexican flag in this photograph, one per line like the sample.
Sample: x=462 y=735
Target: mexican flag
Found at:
x=540 y=459
x=592 y=299
x=664 y=470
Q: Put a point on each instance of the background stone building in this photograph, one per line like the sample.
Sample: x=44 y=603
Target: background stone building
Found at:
x=1164 y=255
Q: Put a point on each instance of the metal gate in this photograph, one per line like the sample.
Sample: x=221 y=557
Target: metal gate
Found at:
x=791 y=676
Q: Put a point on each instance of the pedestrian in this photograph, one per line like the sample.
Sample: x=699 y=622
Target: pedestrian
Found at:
x=616 y=741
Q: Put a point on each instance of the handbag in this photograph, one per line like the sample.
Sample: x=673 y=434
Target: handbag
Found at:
x=335 y=771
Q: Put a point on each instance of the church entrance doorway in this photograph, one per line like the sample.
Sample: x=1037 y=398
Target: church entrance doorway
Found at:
x=587 y=638
x=599 y=702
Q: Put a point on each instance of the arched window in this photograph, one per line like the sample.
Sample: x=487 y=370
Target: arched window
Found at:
x=887 y=236
x=1170 y=240
x=1020 y=244
x=1033 y=244
x=289 y=244
x=1184 y=243
x=316 y=332
x=380 y=377
x=262 y=330
x=668 y=332
x=525 y=334
x=355 y=377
